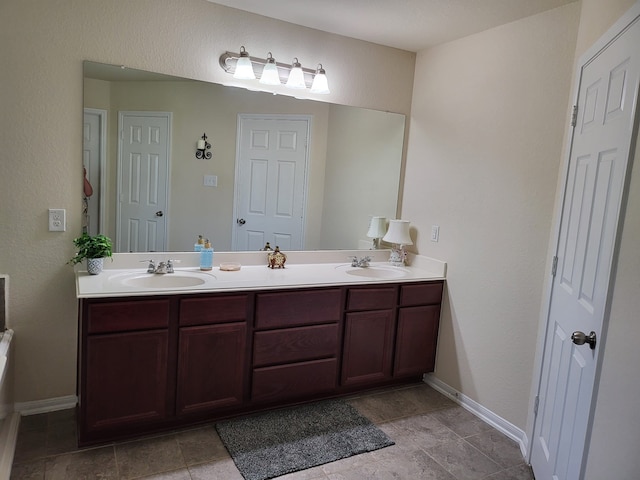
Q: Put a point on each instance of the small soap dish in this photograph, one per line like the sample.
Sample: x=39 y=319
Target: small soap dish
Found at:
x=229 y=266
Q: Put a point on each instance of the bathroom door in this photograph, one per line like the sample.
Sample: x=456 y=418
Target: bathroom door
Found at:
x=93 y=159
x=586 y=252
x=143 y=183
x=271 y=176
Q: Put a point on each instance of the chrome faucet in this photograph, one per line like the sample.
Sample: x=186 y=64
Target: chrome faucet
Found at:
x=163 y=267
x=360 y=262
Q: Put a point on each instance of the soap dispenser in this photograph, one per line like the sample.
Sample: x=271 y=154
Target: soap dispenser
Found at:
x=206 y=256
x=199 y=244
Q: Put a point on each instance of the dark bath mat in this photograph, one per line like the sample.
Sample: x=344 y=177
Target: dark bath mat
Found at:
x=271 y=444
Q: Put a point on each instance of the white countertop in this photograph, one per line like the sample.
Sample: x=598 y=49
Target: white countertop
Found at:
x=110 y=283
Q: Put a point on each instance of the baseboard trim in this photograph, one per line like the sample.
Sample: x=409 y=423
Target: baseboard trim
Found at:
x=484 y=414
x=47 y=405
x=8 y=440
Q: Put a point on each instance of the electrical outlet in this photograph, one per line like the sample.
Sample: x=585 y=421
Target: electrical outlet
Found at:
x=435 y=233
x=210 y=180
x=57 y=220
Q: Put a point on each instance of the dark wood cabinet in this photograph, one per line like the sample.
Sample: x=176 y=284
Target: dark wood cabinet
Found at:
x=368 y=347
x=417 y=329
x=296 y=344
x=212 y=346
x=368 y=335
x=127 y=380
x=211 y=366
x=416 y=337
x=153 y=363
x=124 y=374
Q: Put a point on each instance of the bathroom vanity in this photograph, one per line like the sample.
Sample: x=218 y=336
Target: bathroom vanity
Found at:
x=152 y=359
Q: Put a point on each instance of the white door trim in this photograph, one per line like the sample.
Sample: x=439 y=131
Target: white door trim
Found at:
x=102 y=114
x=305 y=194
x=615 y=31
x=167 y=212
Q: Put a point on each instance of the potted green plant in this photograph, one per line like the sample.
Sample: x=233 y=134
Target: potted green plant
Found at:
x=94 y=249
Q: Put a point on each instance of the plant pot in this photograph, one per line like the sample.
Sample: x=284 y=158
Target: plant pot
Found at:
x=94 y=265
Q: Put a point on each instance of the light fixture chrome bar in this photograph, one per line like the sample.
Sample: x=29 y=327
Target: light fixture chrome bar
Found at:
x=228 y=62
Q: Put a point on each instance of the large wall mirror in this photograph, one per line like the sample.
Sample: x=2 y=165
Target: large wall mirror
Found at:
x=352 y=169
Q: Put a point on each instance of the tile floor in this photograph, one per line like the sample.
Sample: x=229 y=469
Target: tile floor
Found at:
x=435 y=439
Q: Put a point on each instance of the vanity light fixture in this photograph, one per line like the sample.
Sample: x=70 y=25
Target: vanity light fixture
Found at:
x=271 y=72
x=377 y=229
x=244 y=67
x=270 y=75
x=398 y=234
x=202 y=147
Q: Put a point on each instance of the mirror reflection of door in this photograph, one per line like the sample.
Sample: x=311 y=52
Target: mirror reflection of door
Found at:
x=143 y=166
x=271 y=166
x=93 y=158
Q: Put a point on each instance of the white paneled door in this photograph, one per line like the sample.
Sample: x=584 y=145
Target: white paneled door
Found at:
x=585 y=254
x=271 y=168
x=93 y=151
x=143 y=166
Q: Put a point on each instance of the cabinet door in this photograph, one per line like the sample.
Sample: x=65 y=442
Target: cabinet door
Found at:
x=416 y=340
x=125 y=379
x=367 y=353
x=211 y=367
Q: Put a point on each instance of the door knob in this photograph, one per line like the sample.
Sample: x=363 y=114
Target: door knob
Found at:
x=241 y=221
x=580 y=338
x=159 y=213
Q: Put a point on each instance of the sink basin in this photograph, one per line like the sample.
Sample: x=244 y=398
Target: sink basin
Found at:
x=377 y=272
x=164 y=281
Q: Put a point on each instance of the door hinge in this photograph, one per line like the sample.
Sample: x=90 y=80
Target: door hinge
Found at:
x=554 y=266
x=535 y=405
x=574 y=116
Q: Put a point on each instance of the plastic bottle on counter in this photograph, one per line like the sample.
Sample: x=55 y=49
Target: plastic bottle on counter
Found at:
x=199 y=245
x=206 y=256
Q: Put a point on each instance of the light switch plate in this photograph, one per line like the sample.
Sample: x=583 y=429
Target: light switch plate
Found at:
x=210 y=180
x=57 y=220
x=435 y=233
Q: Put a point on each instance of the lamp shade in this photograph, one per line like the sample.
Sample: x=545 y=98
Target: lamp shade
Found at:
x=270 y=75
x=320 y=84
x=296 y=76
x=244 y=68
x=377 y=227
x=398 y=233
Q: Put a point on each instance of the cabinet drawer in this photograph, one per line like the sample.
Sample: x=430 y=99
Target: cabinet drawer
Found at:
x=421 y=294
x=216 y=309
x=296 y=308
x=294 y=380
x=371 y=298
x=295 y=344
x=127 y=315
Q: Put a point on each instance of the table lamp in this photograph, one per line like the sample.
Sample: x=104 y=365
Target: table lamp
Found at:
x=398 y=235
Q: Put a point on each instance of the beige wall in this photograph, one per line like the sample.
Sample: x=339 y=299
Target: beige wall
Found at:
x=41 y=131
x=615 y=437
x=485 y=145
